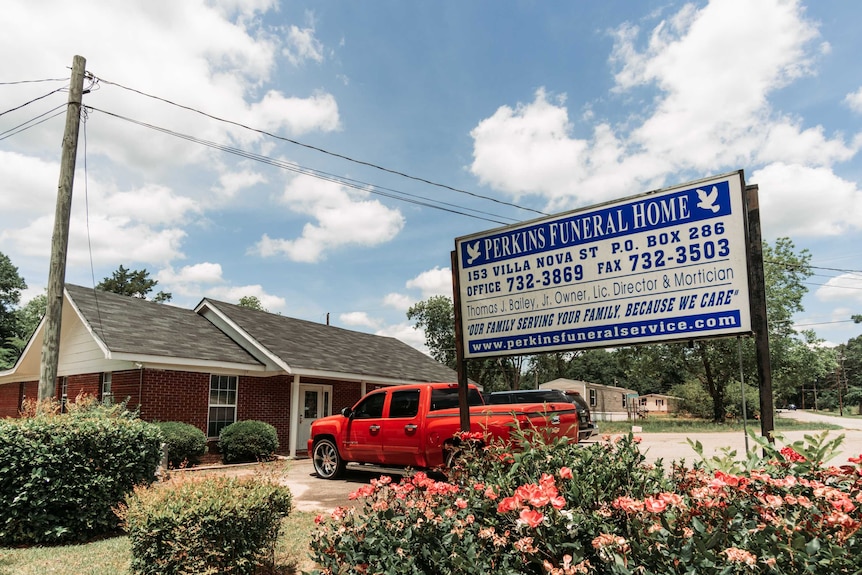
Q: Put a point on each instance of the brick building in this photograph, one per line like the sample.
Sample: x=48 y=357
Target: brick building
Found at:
x=213 y=365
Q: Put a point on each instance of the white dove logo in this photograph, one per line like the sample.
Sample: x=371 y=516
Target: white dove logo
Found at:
x=707 y=199
x=474 y=252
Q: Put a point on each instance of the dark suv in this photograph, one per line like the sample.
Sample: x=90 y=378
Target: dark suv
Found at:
x=585 y=421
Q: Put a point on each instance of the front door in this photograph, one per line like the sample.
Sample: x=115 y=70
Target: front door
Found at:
x=314 y=403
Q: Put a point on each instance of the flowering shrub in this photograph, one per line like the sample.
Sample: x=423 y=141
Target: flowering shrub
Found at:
x=507 y=512
x=562 y=509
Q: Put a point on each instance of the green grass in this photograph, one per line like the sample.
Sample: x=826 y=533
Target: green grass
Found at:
x=671 y=424
x=112 y=556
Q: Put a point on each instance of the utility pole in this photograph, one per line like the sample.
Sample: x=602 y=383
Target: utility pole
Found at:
x=758 y=315
x=60 y=239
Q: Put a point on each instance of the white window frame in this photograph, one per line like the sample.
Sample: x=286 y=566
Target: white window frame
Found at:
x=105 y=388
x=221 y=405
x=64 y=393
x=593 y=398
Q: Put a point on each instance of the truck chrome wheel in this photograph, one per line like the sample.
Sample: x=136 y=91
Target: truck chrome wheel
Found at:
x=327 y=462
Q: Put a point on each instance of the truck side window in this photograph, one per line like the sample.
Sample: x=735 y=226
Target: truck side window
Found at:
x=404 y=403
x=371 y=406
x=448 y=398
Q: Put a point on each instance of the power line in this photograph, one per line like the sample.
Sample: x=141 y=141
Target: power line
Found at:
x=318 y=149
x=296 y=168
x=823 y=323
x=33 y=100
x=34 y=81
x=33 y=122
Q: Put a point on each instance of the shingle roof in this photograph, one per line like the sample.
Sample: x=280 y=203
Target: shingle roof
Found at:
x=313 y=346
x=135 y=326
x=132 y=325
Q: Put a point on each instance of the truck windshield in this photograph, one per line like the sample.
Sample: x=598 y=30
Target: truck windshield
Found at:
x=448 y=398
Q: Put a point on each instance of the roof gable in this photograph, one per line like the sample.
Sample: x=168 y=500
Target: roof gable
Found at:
x=133 y=326
x=305 y=346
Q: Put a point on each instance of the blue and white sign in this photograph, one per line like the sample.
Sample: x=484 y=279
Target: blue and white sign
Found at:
x=663 y=266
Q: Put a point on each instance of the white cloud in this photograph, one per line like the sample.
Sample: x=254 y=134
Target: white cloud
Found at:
x=803 y=201
x=844 y=288
x=233 y=294
x=302 y=46
x=202 y=273
x=712 y=70
x=358 y=318
x=344 y=217
x=854 y=101
x=151 y=204
x=218 y=60
x=437 y=281
x=398 y=301
x=30 y=178
x=232 y=182
x=406 y=333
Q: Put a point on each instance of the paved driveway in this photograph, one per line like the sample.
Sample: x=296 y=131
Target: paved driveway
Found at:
x=313 y=494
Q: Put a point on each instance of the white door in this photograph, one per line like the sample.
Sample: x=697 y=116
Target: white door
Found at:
x=314 y=403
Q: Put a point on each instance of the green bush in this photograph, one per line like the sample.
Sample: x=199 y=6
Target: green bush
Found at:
x=185 y=443
x=214 y=525
x=246 y=441
x=599 y=509
x=61 y=475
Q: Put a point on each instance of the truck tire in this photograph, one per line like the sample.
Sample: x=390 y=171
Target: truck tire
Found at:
x=327 y=462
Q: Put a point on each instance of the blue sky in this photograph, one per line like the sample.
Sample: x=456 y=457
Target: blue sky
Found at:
x=525 y=106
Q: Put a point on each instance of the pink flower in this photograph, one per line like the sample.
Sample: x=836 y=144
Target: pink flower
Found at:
x=654 y=505
x=461 y=503
x=791 y=454
x=565 y=473
x=508 y=504
x=628 y=504
x=531 y=518
x=533 y=494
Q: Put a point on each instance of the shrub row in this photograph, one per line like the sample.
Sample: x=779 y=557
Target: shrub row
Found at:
x=212 y=525
x=561 y=509
x=61 y=475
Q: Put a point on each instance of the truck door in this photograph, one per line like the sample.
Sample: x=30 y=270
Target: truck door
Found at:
x=364 y=441
x=402 y=431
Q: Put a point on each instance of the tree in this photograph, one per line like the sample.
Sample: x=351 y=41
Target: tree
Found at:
x=133 y=283
x=436 y=316
x=11 y=285
x=251 y=302
x=795 y=356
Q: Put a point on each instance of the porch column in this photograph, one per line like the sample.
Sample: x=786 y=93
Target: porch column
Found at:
x=294 y=415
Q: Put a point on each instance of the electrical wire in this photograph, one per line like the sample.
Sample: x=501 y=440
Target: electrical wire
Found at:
x=296 y=168
x=34 y=81
x=97 y=79
x=33 y=100
x=32 y=121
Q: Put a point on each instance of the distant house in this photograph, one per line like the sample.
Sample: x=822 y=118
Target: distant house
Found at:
x=658 y=403
x=607 y=402
x=213 y=365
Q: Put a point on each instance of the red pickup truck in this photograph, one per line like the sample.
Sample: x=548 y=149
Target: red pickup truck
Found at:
x=416 y=426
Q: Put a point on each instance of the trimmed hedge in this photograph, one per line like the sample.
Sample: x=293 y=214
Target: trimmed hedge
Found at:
x=62 y=475
x=248 y=441
x=186 y=443
x=212 y=525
